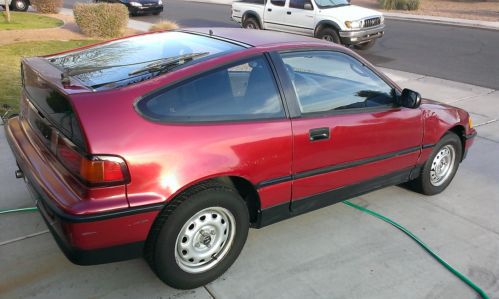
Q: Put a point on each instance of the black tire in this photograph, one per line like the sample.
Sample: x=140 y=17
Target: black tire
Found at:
x=19 y=5
x=162 y=248
x=156 y=13
x=251 y=23
x=365 y=46
x=427 y=182
x=329 y=34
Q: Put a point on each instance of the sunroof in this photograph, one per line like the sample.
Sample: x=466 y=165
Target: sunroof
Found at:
x=115 y=64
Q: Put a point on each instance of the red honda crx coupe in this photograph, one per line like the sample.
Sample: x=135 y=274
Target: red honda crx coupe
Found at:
x=172 y=144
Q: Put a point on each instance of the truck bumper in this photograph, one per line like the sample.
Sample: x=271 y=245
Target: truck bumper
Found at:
x=356 y=37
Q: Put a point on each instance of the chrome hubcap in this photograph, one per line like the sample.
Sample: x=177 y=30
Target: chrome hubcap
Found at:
x=20 y=5
x=251 y=26
x=205 y=239
x=442 y=165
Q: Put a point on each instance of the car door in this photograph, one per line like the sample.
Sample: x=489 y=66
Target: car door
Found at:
x=349 y=136
x=300 y=17
x=274 y=15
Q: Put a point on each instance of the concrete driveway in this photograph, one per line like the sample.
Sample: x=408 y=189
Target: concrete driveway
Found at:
x=335 y=252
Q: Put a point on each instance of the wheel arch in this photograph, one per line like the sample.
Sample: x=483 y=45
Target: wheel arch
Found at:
x=326 y=23
x=460 y=131
x=252 y=14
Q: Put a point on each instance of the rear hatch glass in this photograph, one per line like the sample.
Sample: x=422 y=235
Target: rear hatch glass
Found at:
x=115 y=64
x=52 y=109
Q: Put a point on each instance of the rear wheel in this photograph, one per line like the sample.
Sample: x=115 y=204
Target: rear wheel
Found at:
x=441 y=166
x=198 y=236
x=251 y=23
x=329 y=34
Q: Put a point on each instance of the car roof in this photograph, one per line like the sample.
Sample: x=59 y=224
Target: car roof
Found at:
x=256 y=38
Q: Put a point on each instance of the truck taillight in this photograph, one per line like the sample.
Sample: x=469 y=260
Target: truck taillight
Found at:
x=96 y=170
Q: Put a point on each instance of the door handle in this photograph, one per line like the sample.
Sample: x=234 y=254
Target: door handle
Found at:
x=288 y=12
x=318 y=134
x=269 y=9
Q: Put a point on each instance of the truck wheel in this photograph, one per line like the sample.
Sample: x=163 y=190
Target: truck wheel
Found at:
x=365 y=46
x=329 y=34
x=19 y=5
x=198 y=236
x=440 y=168
x=251 y=23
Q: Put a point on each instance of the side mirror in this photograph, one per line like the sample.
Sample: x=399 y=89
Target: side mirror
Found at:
x=409 y=99
x=308 y=6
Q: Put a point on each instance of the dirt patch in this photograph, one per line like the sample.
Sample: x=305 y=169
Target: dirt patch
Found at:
x=68 y=31
x=472 y=10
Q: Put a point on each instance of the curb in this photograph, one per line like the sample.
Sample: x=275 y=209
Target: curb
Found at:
x=442 y=20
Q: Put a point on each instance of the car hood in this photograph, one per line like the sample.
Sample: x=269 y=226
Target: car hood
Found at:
x=349 y=13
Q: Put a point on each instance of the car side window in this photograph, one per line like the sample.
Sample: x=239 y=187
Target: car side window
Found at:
x=300 y=4
x=240 y=92
x=327 y=81
x=278 y=2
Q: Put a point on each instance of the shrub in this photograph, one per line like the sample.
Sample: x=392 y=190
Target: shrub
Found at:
x=164 y=25
x=399 y=4
x=47 y=6
x=101 y=19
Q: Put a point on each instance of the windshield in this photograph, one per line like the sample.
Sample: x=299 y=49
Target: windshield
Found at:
x=116 y=61
x=331 y=3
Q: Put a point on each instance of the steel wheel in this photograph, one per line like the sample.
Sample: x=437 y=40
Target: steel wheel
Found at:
x=442 y=165
x=205 y=239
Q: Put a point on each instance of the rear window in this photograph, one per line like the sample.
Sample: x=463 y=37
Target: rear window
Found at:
x=243 y=91
x=113 y=64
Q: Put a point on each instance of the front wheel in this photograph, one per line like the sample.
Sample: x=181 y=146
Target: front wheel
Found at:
x=329 y=34
x=198 y=236
x=19 y=5
x=365 y=46
x=440 y=168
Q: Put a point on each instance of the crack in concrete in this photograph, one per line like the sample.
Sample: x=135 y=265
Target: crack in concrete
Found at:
x=487 y=122
x=24 y=237
x=209 y=292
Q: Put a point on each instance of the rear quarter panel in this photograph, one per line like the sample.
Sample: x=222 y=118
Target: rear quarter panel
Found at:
x=163 y=159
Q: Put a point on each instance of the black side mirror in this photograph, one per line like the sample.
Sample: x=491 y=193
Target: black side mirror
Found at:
x=409 y=99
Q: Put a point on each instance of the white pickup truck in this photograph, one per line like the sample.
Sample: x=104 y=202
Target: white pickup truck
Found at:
x=334 y=20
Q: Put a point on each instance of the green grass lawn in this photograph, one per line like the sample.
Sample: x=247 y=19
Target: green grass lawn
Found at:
x=10 y=60
x=27 y=20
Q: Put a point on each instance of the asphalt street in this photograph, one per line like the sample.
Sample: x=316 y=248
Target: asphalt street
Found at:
x=454 y=53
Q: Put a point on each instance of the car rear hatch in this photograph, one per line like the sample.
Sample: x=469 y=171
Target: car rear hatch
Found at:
x=50 y=146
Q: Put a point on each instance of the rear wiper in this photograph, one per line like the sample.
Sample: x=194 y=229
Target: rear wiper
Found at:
x=167 y=63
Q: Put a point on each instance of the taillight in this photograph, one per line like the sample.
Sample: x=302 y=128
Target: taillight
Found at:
x=97 y=170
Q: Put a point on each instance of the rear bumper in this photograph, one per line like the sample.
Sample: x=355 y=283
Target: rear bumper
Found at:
x=85 y=239
x=361 y=36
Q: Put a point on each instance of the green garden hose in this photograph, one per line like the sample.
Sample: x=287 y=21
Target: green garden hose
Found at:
x=32 y=209
x=426 y=247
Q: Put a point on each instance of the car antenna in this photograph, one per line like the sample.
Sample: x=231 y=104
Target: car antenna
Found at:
x=211 y=32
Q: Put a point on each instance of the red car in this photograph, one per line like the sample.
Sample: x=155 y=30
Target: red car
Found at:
x=171 y=145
